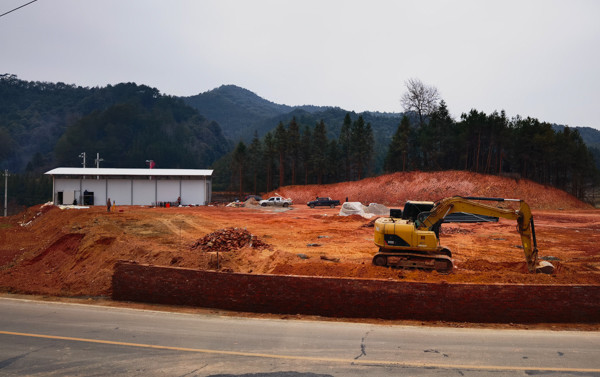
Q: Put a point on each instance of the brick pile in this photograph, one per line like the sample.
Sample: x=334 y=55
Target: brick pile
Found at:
x=229 y=239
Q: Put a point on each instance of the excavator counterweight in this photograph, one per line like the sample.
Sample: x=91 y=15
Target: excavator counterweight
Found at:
x=415 y=244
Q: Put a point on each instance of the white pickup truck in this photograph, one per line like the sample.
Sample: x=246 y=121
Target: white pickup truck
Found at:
x=276 y=201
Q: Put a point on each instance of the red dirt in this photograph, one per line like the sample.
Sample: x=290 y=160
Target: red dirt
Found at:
x=395 y=189
x=72 y=252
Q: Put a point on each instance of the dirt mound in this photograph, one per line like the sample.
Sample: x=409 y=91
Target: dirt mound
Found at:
x=393 y=190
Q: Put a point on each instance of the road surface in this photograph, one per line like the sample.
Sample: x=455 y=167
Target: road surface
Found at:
x=58 y=339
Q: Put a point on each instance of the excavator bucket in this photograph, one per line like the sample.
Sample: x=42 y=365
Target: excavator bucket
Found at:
x=544 y=267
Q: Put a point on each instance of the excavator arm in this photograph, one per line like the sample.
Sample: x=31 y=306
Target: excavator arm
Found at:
x=525 y=225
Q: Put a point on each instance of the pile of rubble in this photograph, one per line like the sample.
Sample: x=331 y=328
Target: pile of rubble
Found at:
x=229 y=239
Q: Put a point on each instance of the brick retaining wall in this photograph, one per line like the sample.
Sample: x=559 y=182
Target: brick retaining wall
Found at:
x=357 y=298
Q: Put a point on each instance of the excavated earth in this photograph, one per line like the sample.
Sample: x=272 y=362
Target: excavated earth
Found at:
x=72 y=252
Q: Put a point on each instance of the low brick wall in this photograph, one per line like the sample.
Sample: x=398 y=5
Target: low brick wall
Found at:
x=357 y=298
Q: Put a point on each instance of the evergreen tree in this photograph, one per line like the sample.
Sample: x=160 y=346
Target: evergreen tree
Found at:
x=361 y=147
x=367 y=149
x=255 y=159
x=306 y=152
x=240 y=155
x=319 y=157
x=395 y=160
x=269 y=152
x=345 y=144
x=437 y=137
x=335 y=164
x=293 y=146
x=280 y=139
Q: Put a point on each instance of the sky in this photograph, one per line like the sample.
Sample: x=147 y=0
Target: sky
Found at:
x=537 y=58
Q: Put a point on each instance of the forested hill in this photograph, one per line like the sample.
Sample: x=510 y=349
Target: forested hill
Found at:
x=242 y=111
x=43 y=125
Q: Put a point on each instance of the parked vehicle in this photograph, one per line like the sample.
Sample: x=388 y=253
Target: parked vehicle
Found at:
x=277 y=201
x=323 y=202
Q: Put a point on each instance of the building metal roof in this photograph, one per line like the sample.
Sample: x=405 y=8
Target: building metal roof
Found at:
x=130 y=172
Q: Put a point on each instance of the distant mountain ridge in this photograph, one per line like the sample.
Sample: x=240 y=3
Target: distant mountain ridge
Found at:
x=240 y=112
x=590 y=136
x=35 y=115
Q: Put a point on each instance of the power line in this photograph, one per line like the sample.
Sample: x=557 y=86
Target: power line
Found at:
x=24 y=5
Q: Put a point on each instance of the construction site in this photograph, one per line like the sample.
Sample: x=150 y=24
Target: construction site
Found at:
x=72 y=252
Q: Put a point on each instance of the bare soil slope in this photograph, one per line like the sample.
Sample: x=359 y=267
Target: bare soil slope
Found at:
x=72 y=252
x=395 y=189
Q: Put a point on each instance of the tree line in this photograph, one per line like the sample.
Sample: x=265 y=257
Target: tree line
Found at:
x=493 y=144
x=292 y=155
x=426 y=139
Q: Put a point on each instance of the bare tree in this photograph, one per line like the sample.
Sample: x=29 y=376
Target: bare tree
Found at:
x=420 y=98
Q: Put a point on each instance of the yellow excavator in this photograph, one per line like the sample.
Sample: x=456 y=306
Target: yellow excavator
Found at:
x=415 y=244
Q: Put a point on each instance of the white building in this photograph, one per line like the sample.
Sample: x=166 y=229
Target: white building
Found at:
x=94 y=186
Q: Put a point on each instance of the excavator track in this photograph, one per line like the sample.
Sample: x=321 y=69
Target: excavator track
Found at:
x=438 y=262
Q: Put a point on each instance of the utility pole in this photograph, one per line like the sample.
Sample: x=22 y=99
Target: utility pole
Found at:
x=5 y=192
x=97 y=160
x=82 y=155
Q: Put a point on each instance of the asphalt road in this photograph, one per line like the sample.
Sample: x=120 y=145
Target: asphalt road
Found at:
x=57 y=339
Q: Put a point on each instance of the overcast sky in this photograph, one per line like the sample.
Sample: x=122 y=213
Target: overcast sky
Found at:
x=531 y=58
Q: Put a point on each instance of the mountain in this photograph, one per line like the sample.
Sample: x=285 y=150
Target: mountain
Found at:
x=34 y=116
x=241 y=113
x=45 y=124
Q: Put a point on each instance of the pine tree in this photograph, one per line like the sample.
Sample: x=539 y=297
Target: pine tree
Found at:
x=395 y=160
x=319 y=158
x=255 y=160
x=281 y=146
x=240 y=155
x=269 y=153
x=345 y=142
x=357 y=147
x=306 y=152
x=293 y=146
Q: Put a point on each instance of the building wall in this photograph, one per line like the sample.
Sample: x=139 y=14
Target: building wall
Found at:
x=119 y=192
x=144 y=191
x=194 y=192
x=98 y=187
x=68 y=187
x=136 y=191
x=168 y=190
